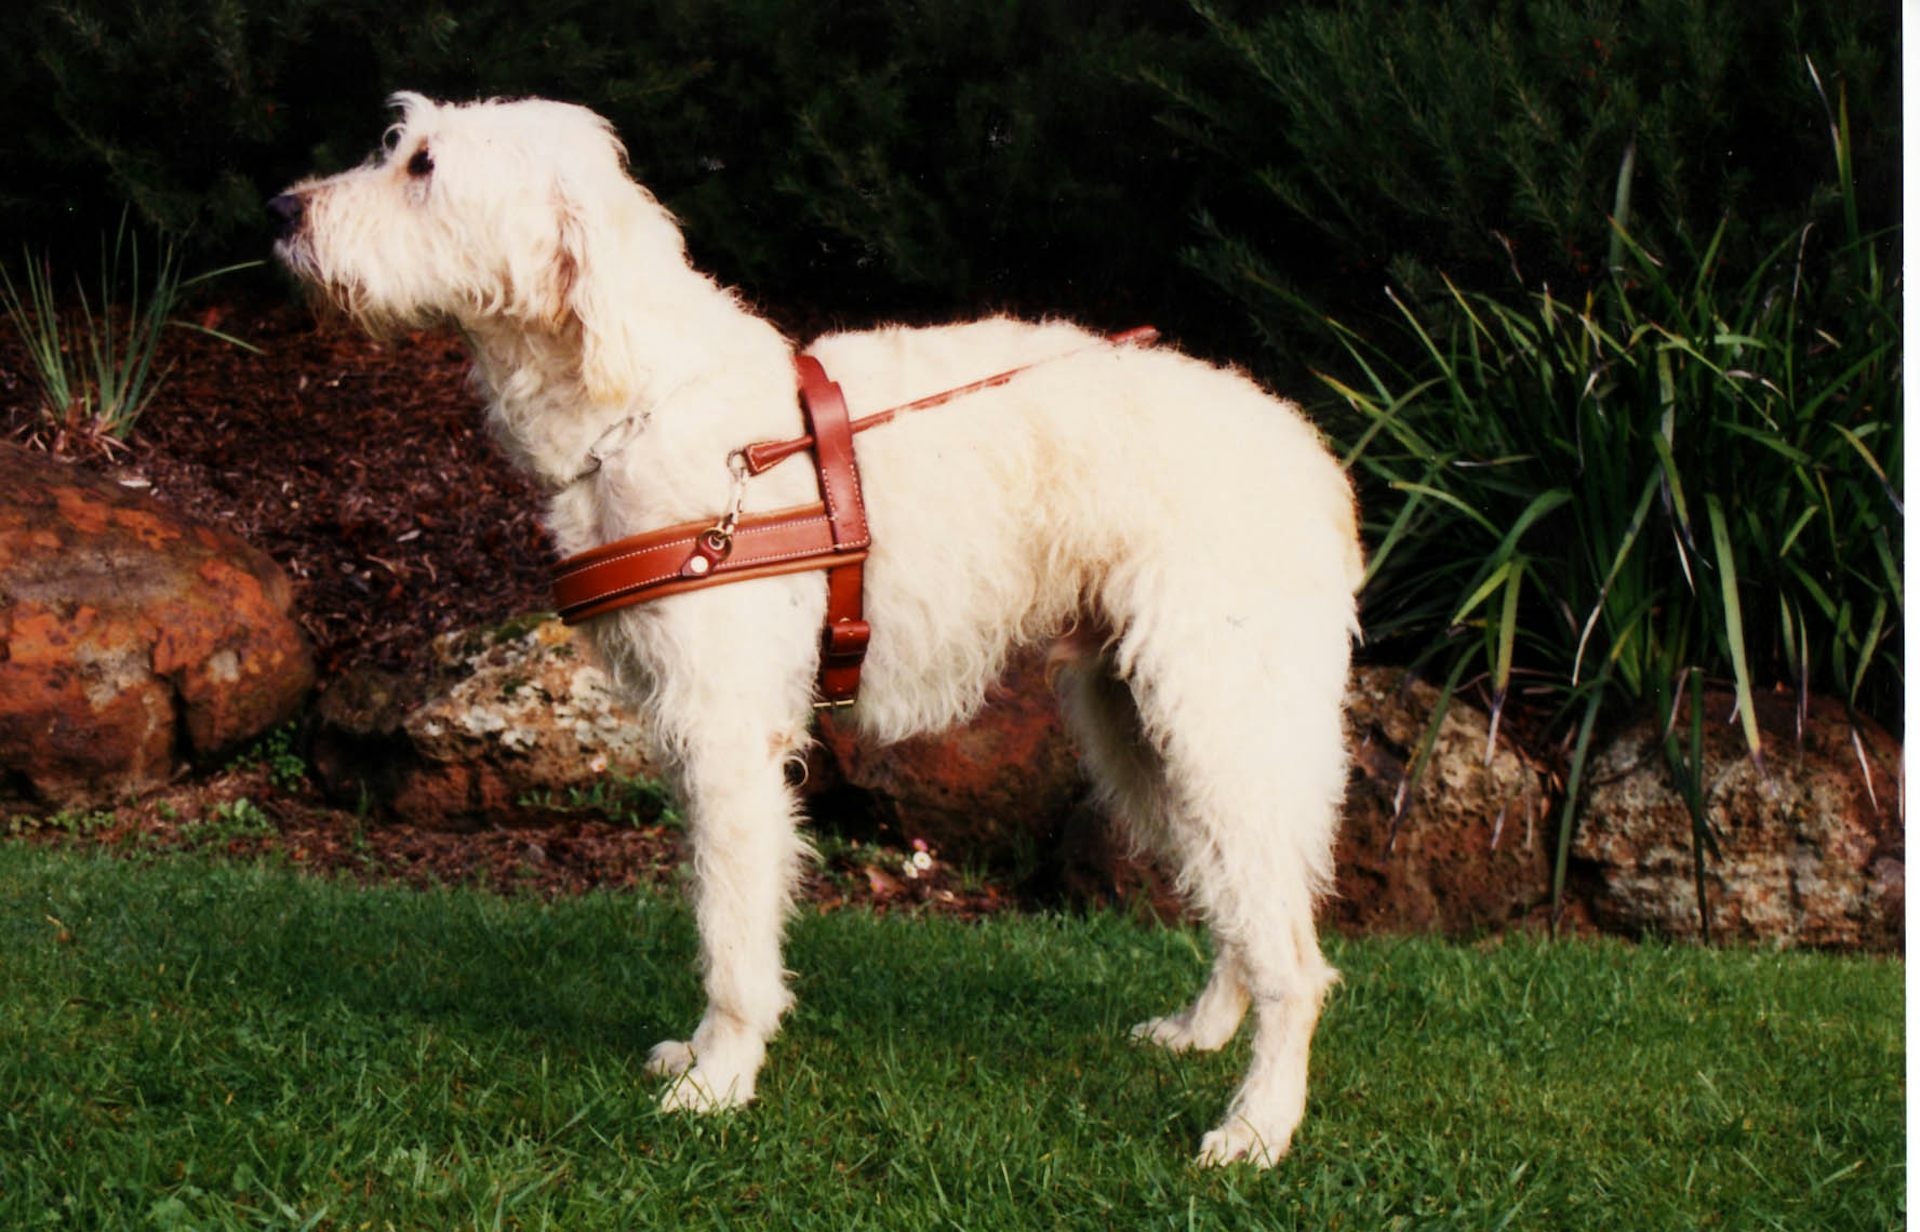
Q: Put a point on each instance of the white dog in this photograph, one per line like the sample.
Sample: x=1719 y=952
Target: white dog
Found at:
x=1182 y=538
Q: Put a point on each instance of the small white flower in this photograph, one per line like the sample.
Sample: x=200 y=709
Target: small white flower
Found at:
x=599 y=764
x=921 y=861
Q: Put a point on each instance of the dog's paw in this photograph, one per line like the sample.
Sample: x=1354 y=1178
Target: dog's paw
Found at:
x=1178 y=1033
x=1239 y=1141
x=696 y=1090
x=670 y=1057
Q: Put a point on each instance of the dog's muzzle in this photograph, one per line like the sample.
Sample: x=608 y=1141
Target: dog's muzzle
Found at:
x=287 y=210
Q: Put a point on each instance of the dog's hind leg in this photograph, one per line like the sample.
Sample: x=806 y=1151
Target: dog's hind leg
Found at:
x=1258 y=896
x=1248 y=738
x=1130 y=779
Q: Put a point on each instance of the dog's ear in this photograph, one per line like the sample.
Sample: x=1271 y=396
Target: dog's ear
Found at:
x=614 y=239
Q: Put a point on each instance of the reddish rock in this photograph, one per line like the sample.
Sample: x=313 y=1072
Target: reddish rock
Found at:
x=1471 y=853
x=1812 y=847
x=1004 y=791
x=131 y=639
x=994 y=792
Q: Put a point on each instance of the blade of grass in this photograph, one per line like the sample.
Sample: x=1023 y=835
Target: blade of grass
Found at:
x=1696 y=801
x=1447 y=498
x=1733 y=629
x=1627 y=541
x=1873 y=464
x=1487 y=587
x=1622 y=210
x=1868 y=647
x=1503 y=655
x=1570 y=808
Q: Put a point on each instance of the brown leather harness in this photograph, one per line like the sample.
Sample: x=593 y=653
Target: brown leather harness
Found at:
x=830 y=534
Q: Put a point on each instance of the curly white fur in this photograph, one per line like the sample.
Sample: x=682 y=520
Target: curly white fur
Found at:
x=1183 y=535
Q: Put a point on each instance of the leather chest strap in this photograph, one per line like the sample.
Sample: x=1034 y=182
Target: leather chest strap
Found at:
x=680 y=558
x=843 y=645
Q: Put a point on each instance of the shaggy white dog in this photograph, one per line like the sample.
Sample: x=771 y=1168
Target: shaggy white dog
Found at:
x=1181 y=537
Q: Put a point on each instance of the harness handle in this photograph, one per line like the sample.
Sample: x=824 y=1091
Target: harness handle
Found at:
x=765 y=455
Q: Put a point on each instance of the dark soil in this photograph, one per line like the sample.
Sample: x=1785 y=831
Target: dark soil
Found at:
x=362 y=468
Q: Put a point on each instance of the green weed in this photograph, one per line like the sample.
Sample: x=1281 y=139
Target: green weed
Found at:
x=633 y=800
x=94 y=364
x=278 y=753
x=229 y=822
x=80 y=823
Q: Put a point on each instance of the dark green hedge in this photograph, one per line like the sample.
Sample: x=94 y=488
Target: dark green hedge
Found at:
x=931 y=157
x=1382 y=141
x=834 y=159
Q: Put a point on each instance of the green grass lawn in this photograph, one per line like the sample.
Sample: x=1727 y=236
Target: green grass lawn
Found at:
x=190 y=1044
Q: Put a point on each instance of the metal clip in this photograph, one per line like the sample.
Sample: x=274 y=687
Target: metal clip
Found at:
x=709 y=553
x=720 y=534
x=710 y=550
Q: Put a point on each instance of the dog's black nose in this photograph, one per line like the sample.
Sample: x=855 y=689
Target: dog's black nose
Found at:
x=286 y=210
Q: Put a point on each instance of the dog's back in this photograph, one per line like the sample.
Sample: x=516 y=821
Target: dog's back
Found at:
x=1068 y=494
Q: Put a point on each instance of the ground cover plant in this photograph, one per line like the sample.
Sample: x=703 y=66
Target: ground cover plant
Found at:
x=187 y=1043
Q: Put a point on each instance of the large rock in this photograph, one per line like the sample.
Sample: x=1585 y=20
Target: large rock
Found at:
x=1812 y=846
x=131 y=639
x=995 y=792
x=1470 y=852
x=509 y=717
x=505 y=722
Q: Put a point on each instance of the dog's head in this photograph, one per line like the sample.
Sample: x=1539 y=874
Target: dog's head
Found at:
x=502 y=211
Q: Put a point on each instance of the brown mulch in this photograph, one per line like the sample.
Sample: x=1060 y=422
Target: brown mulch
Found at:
x=243 y=811
x=362 y=467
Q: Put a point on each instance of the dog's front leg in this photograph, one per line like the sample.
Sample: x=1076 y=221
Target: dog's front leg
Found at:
x=733 y=668
x=744 y=856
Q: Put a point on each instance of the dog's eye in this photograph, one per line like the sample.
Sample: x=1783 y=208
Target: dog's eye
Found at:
x=421 y=164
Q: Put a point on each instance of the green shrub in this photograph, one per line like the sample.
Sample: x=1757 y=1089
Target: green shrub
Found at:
x=847 y=161
x=1382 y=141
x=1690 y=471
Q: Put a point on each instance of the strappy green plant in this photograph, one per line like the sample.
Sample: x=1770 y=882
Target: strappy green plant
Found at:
x=95 y=365
x=1685 y=474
